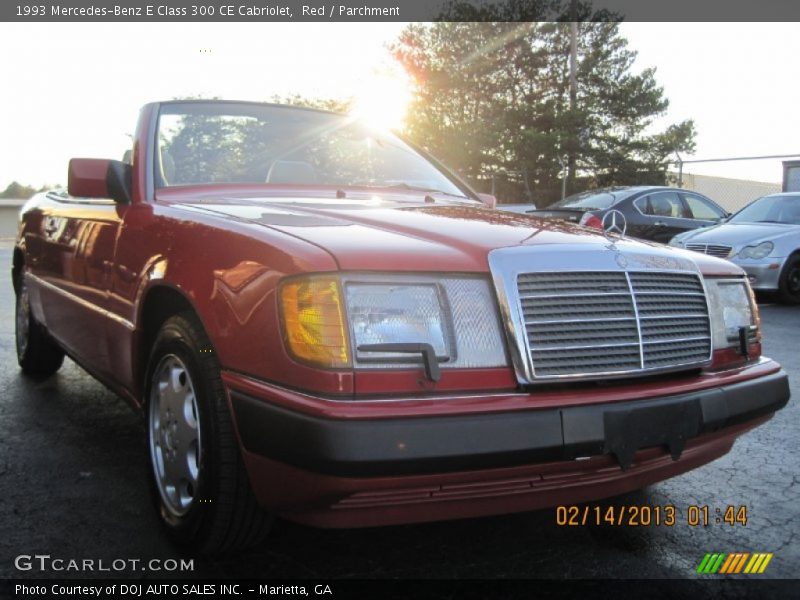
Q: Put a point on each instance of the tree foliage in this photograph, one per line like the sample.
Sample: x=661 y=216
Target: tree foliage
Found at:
x=16 y=190
x=493 y=98
x=332 y=104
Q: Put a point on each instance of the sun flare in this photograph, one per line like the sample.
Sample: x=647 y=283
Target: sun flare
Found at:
x=383 y=100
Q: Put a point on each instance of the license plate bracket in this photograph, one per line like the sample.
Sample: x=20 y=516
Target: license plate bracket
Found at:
x=670 y=425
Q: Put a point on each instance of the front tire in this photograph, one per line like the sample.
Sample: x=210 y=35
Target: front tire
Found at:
x=789 y=284
x=38 y=355
x=198 y=480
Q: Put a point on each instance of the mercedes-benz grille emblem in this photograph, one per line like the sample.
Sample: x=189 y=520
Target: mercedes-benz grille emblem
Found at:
x=614 y=222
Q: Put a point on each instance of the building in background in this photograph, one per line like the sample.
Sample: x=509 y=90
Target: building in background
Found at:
x=791 y=176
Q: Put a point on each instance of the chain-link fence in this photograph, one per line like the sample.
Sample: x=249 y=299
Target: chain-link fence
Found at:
x=731 y=182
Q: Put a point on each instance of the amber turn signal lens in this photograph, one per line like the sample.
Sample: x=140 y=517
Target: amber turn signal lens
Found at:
x=314 y=322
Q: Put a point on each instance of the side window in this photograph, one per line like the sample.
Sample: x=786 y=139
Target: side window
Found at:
x=645 y=205
x=701 y=208
x=661 y=204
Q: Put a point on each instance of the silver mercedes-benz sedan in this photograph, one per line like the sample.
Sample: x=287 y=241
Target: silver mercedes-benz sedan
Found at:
x=763 y=238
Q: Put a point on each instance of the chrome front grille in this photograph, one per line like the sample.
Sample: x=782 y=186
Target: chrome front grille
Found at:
x=713 y=249
x=613 y=322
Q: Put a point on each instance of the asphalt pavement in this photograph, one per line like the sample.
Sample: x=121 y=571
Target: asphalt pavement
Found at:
x=73 y=485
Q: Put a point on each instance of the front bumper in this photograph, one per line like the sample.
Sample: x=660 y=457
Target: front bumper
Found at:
x=354 y=472
x=763 y=275
x=408 y=446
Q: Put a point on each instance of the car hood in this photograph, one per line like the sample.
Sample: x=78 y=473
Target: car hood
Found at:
x=381 y=234
x=738 y=234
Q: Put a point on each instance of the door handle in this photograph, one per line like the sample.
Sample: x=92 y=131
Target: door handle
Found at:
x=660 y=224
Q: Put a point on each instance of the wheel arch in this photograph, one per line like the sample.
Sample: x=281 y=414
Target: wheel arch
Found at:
x=158 y=303
x=791 y=255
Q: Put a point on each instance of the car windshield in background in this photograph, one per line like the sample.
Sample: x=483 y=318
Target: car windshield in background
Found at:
x=770 y=209
x=594 y=200
x=247 y=143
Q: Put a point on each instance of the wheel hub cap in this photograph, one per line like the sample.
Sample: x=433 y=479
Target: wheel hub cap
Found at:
x=174 y=434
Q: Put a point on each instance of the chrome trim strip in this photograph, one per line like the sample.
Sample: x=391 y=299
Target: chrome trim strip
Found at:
x=671 y=293
x=622 y=345
x=676 y=316
x=616 y=374
x=601 y=320
x=582 y=295
x=77 y=299
x=673 y=340
x=638 y=319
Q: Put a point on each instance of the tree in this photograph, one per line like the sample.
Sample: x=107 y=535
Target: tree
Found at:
x=494 y=98
x=17 y=190
x=331 y=104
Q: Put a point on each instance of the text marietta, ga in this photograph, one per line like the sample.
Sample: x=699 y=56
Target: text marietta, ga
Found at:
x=162 y=590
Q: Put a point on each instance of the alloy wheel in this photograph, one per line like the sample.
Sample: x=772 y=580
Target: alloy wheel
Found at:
x=174 y=435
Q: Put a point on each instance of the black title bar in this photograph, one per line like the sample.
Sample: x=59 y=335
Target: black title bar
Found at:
x=418 y=589
x=393 y=10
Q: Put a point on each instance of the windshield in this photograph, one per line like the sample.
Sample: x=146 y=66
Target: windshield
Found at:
x=593 y=200
x=250 y=143
x=770 y=209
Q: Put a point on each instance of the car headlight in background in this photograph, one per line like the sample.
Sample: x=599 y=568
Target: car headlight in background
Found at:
x=759 y=251
x=732 y=307
x=456 y=316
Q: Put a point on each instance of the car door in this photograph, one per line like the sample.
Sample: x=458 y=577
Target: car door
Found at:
x=664 y=216
x=702 y=210
x=72 y=273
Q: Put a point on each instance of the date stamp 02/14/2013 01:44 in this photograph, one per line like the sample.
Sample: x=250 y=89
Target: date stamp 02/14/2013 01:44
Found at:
x=666 y=515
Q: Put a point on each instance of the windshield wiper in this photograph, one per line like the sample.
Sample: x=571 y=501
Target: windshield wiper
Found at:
x=419 y=188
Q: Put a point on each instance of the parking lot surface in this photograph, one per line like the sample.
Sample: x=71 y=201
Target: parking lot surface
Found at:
x=73 y=485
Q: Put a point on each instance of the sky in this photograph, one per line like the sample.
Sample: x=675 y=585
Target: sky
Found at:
x=74 y=89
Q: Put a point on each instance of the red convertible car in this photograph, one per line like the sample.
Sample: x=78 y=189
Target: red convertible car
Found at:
x=319 y=321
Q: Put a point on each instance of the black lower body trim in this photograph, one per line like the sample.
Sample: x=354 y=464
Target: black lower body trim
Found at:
x=406 y=446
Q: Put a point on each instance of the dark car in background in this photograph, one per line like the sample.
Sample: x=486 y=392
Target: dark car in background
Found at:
x=655 y=213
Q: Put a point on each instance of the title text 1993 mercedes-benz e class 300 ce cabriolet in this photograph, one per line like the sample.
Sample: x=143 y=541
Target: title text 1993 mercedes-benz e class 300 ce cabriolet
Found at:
x=320 y=322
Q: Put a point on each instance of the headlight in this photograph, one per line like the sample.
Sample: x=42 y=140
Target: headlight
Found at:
x=732 y=307
x=762 y=250
x=457 y=316
x=397 y=314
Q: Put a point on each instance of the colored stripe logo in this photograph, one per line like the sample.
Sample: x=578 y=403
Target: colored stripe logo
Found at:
x=734 y=563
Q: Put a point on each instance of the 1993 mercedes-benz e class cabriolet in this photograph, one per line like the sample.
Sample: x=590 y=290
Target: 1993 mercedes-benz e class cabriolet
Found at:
x=320 y=322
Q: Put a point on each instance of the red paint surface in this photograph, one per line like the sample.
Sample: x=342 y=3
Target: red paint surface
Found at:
x=86 y=177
